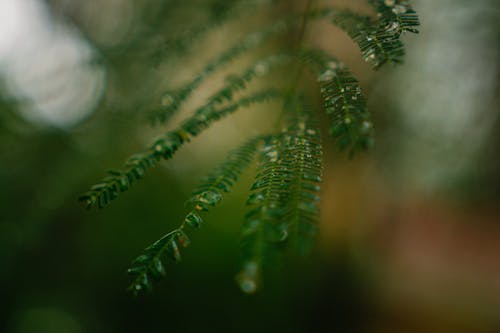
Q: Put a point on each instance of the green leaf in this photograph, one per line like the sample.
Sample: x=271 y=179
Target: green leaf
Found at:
x=164 y=148
x=343 y=101
x=290 y=165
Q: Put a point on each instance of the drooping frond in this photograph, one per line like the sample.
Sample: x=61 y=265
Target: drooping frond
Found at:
x=343 y=102
x=397 y=15
x=222 y=11
x=163 y=148
x=172 y=101
x=150 y=265
x=260 y=68
x=284 y=200
x=221 y=179
x=303 y=155
x=263 y=229
x=378 y=45
x=378 y=40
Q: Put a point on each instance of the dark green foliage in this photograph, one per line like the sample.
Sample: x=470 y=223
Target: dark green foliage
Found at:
x=284 y=199
x=396 y=15
x=343 y=102
x=172 y=101
x=221 y=11
x=163 y=148
x=260 y=68
x=378 y=40
x=150 y=265
x=283 y=202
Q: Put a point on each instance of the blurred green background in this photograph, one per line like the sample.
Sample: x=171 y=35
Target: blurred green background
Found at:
x=410 y=232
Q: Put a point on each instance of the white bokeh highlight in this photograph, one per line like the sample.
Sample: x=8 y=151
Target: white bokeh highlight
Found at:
x=47 y=66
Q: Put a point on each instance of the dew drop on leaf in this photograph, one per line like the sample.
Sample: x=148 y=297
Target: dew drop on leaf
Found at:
x=167 y=100
x=255 y=198
x=311 y=177
x=247 y=278
x=174 y=250
x=399 y=9
x=261 y=68
x=210 y=197
x=183 y=239
x=326 y=75
x=193 y=219
x=247 y=285
x=158 y=266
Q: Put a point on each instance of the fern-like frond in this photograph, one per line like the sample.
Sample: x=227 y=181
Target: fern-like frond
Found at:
x=397 y=15
x=263 y=229
x=260 y=68
x=378 y=40
x=343 y=102
x=222 y=12
x=303 y=155
x=172 y=101
x=221 y=179
x=284 y=200
x=150 y=265
x=163 y=148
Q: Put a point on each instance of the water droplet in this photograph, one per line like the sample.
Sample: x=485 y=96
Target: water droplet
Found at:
x=366 y=126
x=248 y=285
x=261 y=68
x=144 y=283
x=284 y=235
x=308 y=207
x=183 y=239
x=399 y=9
x=174 y=250
x=201 y=117
x=272 y=155
x=247 y=278
x=369 y=38
x=311 y=132
x=167 y=100
x=311 y=187
x=347 y=120
x=394 y=26
x=193 y=219
x=311 y=177
x=158 y=266
x=210 y=197
x=332 y=64
x=326 y=75
x=259 y=183
x=249 y=228
x=255 y=198
x=308 y=196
